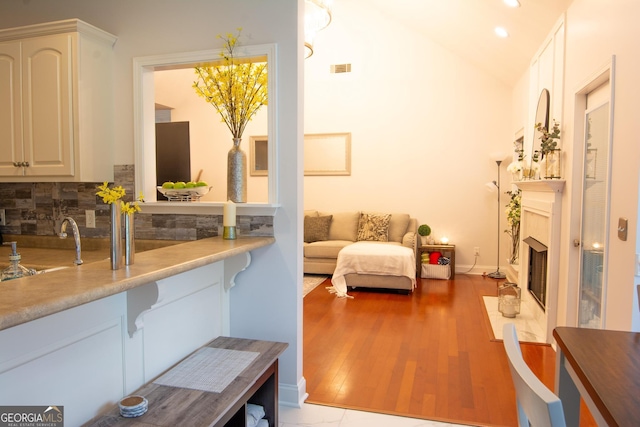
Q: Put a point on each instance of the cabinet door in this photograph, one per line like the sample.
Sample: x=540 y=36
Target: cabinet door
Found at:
x=47 y=79
x=11 y=107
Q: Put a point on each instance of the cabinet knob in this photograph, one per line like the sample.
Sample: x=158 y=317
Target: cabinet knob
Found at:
x=25 y=164
x=17 y=164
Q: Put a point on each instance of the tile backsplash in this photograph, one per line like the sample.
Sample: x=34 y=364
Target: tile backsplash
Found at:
x=33 y=208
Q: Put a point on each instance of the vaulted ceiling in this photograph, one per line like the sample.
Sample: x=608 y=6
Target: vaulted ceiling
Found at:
x=466 y=27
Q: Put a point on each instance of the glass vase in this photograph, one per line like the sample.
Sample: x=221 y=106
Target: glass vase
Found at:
x=116 y=236
x=129 y=239
x=237 y=173
x=552 y=164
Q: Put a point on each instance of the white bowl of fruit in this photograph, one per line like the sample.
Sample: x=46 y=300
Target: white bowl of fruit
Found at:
x=184 y=191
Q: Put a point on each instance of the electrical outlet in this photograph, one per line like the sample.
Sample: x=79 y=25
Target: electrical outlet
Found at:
x=476 y=251
x=3 y=219
x=90 y=215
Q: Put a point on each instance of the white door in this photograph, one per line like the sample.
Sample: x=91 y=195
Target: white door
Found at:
x=595 y=208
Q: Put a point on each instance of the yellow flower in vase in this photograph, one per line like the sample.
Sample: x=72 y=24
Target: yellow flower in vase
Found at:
x=110 y=195
x=129 y=208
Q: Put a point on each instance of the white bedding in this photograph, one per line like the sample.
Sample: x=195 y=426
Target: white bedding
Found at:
x=372 y=258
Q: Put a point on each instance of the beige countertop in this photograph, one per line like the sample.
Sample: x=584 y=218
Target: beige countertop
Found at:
x=29 y=298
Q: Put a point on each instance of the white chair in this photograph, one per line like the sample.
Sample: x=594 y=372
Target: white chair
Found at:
x=537 y=405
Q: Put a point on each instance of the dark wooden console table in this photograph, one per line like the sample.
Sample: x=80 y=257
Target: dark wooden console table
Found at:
x=173 y=406
x=602 y=367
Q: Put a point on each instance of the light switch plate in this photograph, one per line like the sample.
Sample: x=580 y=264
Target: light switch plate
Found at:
x=90 y=215
x=3 y=218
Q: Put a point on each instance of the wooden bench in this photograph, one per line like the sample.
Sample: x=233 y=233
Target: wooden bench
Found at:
x=173 y=406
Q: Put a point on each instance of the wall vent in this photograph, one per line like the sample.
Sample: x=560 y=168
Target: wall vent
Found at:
x=340 y=68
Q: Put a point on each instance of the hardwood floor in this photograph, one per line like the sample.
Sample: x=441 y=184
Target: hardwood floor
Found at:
x=429 y=355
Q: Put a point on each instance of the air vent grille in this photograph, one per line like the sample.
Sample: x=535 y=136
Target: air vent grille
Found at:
x=340 y=68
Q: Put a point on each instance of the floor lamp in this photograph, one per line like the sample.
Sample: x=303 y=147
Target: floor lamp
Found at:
x=498 y=274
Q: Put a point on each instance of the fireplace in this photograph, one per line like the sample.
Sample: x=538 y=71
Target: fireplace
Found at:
x=537 y=277
x=540 y=248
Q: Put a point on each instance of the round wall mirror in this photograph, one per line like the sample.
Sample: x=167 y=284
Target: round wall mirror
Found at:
x=542 y=117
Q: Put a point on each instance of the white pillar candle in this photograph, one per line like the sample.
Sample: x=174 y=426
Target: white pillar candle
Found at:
x=508 y=307
x=229 y=214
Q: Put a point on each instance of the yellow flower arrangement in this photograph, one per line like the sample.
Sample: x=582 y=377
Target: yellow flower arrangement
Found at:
x=132 y=207
x=237 y=89
x=112 y=195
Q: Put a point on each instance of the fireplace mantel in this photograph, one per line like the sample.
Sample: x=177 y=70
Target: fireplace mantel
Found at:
x=542 y=185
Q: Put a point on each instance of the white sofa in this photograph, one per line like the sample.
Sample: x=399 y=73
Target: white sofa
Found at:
x=326 y=233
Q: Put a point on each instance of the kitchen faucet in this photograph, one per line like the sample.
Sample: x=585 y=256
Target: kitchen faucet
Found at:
x=76 y=236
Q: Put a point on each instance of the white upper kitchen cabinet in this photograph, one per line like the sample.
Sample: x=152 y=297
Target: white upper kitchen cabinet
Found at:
x=56 y=103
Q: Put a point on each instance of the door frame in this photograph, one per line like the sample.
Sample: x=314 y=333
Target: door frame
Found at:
x=605 y=74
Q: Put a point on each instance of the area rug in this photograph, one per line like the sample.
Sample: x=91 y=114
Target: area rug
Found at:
x=310 y=282
x=527 y=328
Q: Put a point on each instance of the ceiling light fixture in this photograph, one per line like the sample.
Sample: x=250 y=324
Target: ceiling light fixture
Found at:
x=317 y=16
x=501 y=32
x=512 y=3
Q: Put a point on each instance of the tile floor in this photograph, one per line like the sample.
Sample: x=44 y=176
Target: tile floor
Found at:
x=528 y=323
x=325 y=416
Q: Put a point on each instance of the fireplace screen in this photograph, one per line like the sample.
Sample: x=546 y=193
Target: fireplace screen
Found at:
x=537 y=280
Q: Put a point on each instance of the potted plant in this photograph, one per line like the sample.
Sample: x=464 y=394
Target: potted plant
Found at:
x=549 y=151
x=424 y=231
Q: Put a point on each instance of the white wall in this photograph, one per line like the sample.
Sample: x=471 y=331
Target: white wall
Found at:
x=423 y=123
x=595 y=31
x=151 y=27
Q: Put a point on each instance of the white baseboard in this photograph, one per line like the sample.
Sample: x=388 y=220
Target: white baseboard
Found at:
x=293 y=395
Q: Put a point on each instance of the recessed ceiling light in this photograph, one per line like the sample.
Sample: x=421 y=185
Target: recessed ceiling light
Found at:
x=501 y=32
x=512 y=3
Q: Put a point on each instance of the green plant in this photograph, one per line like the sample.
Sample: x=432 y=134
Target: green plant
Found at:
x=424 y=230
x=513 y=219
x=549 y=140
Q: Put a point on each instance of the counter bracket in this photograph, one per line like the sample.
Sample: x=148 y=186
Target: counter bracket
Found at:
x=233 y=266
x=139 y=301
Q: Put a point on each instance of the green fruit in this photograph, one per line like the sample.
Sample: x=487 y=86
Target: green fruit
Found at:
x=201 y=184
x=168 y=184
x=179 y=185
x=190 y=184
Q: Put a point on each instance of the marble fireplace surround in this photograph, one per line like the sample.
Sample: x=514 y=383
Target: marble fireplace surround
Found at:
x=540 y=217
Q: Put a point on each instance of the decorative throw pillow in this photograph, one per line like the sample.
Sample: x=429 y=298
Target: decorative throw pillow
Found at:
x=434 y=257
x=316 y=228
x=374 y=227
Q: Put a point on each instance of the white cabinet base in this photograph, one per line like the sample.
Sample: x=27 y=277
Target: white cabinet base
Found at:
x=85 y=358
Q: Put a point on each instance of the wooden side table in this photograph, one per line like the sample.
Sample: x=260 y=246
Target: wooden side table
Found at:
x=446 y=250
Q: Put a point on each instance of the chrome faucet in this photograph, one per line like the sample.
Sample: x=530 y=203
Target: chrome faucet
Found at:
x=76 y=236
